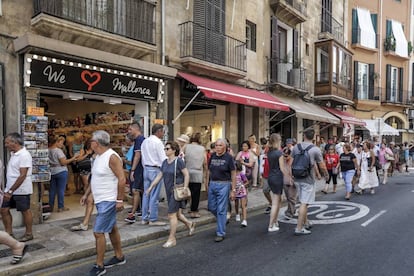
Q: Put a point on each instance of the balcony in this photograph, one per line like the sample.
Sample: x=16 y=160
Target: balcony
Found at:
x=287 y=75
x=333 y=72
x=127 y=28
x=211 y=52
x=380 y=95
x=390 y=45
x=292 y=12
x=356 y=41
x=331 y=28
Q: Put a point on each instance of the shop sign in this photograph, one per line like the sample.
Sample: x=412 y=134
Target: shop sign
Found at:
x=76 y=77
x=35 y=111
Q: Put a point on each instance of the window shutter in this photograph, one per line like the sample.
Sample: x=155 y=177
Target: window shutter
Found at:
x=295 y=47
x=356 y=73
x=412 y=80
x=253 y=42
x=374 y=19
x=388 y=83
x=199 y=29
x=355 y=27
x=371 y=82
x=388 y=28
x=400 y=84
x=274 y=56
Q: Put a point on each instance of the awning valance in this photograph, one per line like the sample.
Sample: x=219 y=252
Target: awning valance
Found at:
x=385 y=129
x=346 y=118
x=236 y=94
x=310 y=111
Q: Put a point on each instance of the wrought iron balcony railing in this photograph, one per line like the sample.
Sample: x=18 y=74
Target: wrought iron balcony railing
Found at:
x=205 y=44
x=332 y=26
x=133 y=19
x=390 y=96
x=287 y=73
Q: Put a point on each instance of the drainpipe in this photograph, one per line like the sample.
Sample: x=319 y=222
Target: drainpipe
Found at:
x=380 y=44
x=163 y=32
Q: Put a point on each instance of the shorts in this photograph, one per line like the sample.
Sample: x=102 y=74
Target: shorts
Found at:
x=20 y=202
x=306 y=192
x=138 y=183
x=106 y=217
x=74 y=167
x=266 y=188
x=84 y=172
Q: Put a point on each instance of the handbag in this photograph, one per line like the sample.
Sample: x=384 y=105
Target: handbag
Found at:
x=181 y=192
x=334 y=170
x=389 y=157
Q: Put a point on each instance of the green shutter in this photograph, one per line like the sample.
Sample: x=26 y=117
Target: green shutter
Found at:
x=374 y=19
x=355 y=27
x=388 y=82
x=400 y=84
x=371 y=82
x=356 y=90
x=388 y=28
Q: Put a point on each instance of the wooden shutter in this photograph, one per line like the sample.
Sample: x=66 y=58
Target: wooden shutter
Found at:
x=296 y=53
x=199 y=29
x=374 y=19
x=388 y=83
x=356 y=88
x=412 y=80
x=355 y=27
x=400 y=84
x=371 y=83
x=388 y=28
x=274 y=55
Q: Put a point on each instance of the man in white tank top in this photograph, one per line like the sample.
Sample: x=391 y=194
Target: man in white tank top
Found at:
x=107 y=186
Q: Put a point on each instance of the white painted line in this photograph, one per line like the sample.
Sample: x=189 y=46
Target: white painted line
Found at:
x=373 y=218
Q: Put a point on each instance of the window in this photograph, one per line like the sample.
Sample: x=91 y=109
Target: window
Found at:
x=394 y=84
x=344 y=69
x=283 y=54
x=250 y=36
x=1 y=12
x=322 y=64
x=362 y=81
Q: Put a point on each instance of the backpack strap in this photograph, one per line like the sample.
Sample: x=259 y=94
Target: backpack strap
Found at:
x=300 y=147
x=308 y=147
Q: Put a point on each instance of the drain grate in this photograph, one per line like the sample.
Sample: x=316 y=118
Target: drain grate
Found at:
x=31 y=247
x=404 y=183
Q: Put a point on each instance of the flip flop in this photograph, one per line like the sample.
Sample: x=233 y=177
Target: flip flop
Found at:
x=18 y=258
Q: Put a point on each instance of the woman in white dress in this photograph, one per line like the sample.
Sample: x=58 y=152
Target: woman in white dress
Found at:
x=368 y=179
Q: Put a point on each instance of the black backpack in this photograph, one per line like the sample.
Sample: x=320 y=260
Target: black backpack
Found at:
x=301 y=166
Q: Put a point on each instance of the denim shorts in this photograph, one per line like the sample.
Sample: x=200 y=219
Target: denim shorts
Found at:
x=106 y=217
x=20 y=202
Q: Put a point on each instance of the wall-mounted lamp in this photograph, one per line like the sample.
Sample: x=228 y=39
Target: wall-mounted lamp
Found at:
x=72 y=96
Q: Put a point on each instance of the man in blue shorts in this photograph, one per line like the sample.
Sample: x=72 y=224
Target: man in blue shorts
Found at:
x=107 y=186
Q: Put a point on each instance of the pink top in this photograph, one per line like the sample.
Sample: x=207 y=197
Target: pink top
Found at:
x=381 y=155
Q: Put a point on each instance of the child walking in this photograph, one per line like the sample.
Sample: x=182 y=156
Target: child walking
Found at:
x=241 y=193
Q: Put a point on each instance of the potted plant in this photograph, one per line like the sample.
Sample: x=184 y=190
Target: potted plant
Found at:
x=410 y=48
x=295 y=73
x=283 y=68
x=389 y=43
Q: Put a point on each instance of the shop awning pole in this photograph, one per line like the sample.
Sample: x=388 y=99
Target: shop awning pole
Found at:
x=284 y=119
x=186 y=106
x=274 y=116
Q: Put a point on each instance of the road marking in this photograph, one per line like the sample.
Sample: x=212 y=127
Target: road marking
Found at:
x=373 y=218
x=330 y=212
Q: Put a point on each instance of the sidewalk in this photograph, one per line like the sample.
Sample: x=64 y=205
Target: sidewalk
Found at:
x=54 y=243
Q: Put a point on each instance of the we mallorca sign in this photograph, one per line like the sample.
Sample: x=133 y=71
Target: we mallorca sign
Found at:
x=75 y=77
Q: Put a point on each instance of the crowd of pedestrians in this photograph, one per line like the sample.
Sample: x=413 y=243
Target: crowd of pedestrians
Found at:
x=276 y=166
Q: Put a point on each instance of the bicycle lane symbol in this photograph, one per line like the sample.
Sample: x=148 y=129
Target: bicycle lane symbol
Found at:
x=330 y=212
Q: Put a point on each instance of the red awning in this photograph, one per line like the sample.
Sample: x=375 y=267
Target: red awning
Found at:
x=235 y=94
x=346 y=118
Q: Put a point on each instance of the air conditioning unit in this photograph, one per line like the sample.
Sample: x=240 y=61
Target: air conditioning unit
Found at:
x=411 y=113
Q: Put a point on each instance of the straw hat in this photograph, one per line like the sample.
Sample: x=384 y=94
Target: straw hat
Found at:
x=183 y=138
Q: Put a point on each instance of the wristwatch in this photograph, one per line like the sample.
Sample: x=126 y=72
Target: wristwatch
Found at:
x=10 y=192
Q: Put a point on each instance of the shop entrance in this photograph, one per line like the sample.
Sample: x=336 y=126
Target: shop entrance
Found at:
x=81 y=116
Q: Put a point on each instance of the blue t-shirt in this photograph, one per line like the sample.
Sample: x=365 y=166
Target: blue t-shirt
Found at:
x=129 y=157
x=221 y=167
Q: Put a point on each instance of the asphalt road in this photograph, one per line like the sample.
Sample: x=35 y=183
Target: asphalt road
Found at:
x=369 y=235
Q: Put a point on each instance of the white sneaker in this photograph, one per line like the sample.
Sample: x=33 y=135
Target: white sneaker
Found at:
x=237 y=217
x=303 y=231
x=274 y=228
x=244 y=223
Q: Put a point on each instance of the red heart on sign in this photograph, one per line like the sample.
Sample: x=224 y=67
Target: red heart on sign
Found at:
x=95 y=78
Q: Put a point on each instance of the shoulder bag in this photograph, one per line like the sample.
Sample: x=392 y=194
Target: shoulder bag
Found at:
x=180 y=191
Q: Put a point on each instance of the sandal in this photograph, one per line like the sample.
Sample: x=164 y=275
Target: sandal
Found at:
x=195 y=215
x=26 y=237
x=18 y=258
